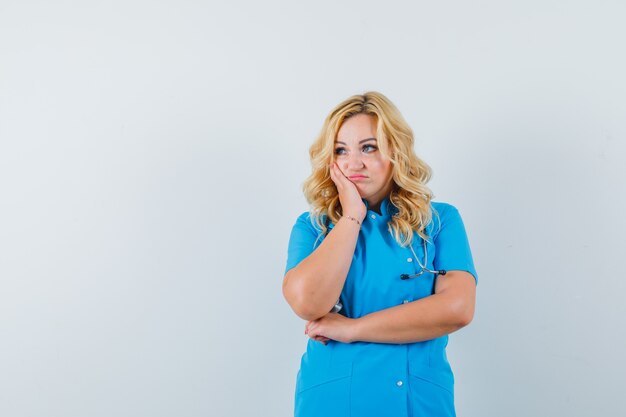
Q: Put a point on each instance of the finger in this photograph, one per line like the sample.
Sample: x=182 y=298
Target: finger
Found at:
x=333 y=174
x=321 y=339
x=339 y=179
x=338 y=174
x=311 y=333
x=342 y=179
x=317 y=337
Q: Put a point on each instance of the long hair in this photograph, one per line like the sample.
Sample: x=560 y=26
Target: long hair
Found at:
x=409 y=195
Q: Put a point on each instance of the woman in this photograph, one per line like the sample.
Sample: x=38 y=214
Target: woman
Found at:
x=380 y=272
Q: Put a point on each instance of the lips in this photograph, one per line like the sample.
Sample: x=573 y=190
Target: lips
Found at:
x=355 y=177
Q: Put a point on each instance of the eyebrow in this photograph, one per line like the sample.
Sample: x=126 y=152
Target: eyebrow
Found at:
x=361 y=141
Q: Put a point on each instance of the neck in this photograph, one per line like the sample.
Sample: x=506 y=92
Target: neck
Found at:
x=375 y=205
x=376 y=208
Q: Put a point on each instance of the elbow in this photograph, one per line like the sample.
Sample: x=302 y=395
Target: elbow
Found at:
x=307 y=315
x=300 y=308
x=465 y=319
x=462 y=313
x=294 y=296
x=303 y=311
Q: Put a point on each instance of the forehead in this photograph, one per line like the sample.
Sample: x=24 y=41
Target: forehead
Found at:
x=357 y=128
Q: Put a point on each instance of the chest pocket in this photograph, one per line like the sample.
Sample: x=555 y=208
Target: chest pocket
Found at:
x=425 y=282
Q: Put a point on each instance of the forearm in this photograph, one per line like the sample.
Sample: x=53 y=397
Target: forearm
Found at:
x=313 y=287
x=423 y=319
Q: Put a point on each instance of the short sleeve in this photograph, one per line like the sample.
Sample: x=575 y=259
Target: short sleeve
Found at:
x=304 y=236
x=452 y=249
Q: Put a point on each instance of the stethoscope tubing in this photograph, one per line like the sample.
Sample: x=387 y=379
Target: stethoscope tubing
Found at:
x=436 y=272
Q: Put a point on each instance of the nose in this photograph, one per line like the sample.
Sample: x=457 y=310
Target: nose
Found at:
x=353 y=162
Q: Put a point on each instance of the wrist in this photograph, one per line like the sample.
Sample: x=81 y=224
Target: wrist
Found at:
x=353 y=219
x=355 y=330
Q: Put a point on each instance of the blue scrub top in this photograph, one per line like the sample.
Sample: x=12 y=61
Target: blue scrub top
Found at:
x=381 y=379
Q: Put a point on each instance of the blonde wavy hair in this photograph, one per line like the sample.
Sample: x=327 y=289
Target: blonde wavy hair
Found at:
x=395 y=141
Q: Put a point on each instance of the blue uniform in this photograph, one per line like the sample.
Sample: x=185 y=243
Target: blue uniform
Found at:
x=381 y=379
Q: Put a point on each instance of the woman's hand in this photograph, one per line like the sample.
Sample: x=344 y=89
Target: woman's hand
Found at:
x=333 y=326
x=349 y=197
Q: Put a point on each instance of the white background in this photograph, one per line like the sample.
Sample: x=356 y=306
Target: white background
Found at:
x=151 y=161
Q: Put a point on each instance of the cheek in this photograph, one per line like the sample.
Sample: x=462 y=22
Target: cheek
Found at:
x=388 y=169
x=382 y=168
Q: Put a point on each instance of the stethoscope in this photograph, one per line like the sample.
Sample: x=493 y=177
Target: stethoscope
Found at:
x=338 y=306
x=424 y=269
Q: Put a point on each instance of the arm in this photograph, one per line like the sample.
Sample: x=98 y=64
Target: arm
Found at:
x=314 y=285
x=446 y=311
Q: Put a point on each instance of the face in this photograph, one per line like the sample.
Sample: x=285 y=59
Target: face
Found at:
x=358 y=157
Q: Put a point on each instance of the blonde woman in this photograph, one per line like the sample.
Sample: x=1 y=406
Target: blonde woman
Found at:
x=381 y=273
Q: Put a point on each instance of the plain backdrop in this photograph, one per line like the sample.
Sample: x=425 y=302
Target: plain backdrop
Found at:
x=152 y=155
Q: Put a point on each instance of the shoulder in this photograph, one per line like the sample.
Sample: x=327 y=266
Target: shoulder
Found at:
x=304 y=218
x=306 y=222
x=442 y=213
x=443 y=208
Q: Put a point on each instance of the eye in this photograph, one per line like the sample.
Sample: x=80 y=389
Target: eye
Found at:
x=366 y=149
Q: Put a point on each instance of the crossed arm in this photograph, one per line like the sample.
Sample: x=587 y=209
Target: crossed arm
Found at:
x=450 y=308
